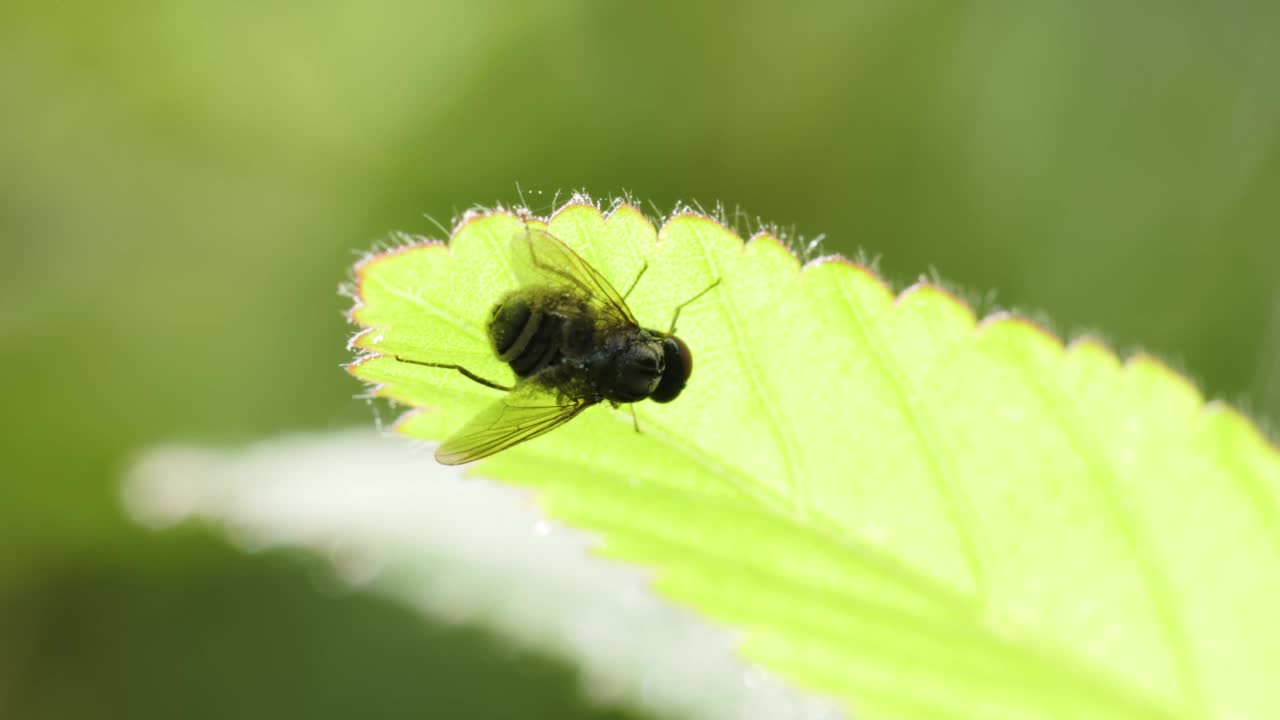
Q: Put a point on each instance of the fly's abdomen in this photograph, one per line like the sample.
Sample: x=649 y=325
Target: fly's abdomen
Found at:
x=526 y=336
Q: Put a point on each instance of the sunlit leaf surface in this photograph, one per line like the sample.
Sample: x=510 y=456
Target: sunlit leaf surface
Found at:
x=917 y=514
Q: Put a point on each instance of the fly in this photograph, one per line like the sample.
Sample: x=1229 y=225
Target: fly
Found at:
x=572 y=342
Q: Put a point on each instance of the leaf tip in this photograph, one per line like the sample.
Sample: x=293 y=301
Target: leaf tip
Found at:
x=405 y=242
x=368 y=265
x=925 y=291
x=840 y=263
x=355 y=366
x=578 y=203
x=1001 y=323
x=403 y=425
x=765 y=241
x=469 y=218
x=1158 y=372
x=698 y=221
x=362 y=341
x=1248 y=431
x=1093 y=347
x=479 y=214
x=626 y=211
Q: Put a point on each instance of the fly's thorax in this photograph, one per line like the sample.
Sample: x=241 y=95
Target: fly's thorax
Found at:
x=633 y=367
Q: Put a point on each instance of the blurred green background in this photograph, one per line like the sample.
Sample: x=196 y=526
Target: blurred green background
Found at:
x=183 y=187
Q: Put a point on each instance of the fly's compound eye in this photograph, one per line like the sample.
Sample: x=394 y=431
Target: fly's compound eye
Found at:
x=678 y=364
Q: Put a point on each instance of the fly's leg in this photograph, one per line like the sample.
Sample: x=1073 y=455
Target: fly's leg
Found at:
x=676 y=316
x=635 y=421
x=459 y=368
x=635 y=282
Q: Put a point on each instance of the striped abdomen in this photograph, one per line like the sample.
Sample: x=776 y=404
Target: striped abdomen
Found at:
x=528 y=333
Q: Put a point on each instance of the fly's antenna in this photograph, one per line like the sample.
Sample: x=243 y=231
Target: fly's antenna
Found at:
x=459 y=368
x=676 y=316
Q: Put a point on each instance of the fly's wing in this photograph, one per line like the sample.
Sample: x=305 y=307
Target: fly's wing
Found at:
x=542 y=259
x=525 y=413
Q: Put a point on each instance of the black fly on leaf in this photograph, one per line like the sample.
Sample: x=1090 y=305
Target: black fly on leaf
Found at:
x=572 y=342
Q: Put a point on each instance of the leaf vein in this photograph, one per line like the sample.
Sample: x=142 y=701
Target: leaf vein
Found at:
x=786 y=443
x=1158 y=585
x=430 y=310
x=941 y=473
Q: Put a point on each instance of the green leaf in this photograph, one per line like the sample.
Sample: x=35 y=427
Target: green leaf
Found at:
x=894 y=505
x=390 y=520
